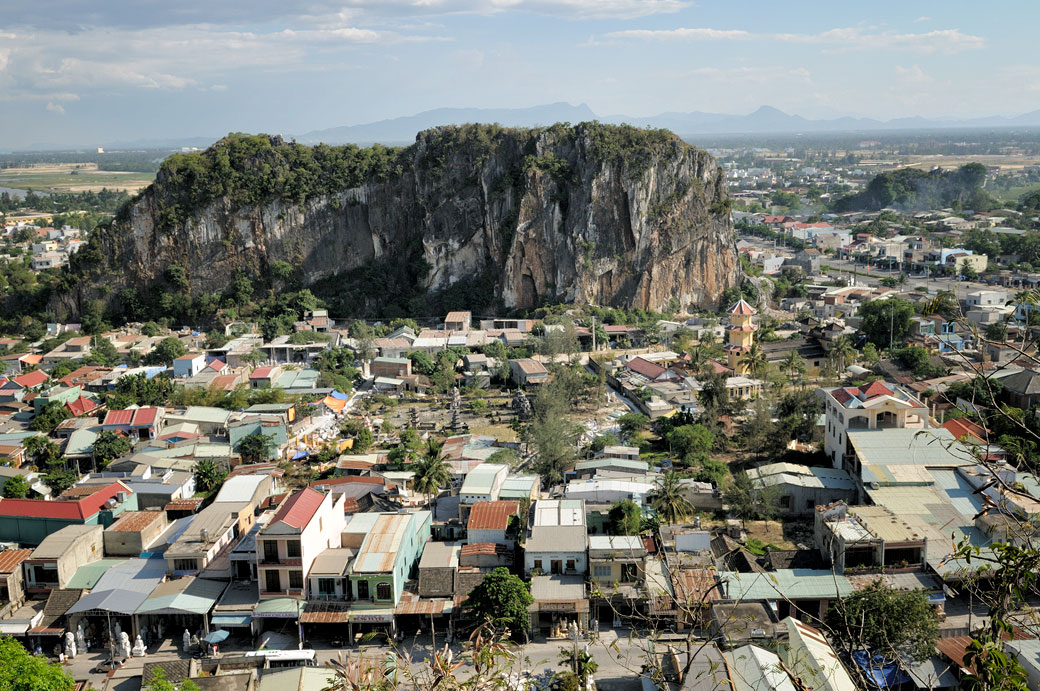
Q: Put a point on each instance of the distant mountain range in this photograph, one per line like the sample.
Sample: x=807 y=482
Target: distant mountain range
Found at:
x=765 y=120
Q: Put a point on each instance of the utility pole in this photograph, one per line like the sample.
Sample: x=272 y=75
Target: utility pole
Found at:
x=891 y=324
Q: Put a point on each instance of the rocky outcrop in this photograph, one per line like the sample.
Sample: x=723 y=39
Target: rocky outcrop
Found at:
x=587 y=214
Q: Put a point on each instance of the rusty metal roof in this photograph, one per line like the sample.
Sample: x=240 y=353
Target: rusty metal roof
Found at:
x=11 y=558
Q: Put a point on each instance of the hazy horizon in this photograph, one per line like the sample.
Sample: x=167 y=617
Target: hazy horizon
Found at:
x=125 y=71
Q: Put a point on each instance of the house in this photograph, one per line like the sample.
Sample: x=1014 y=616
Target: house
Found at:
x=15 y=388
x=800 y=489
x=306 y=523
x=483 y=483
x=438 y=569
x=30 y=521
x=72 y=349
x=558 y=599
x=12 y=577
x=209 y=421
x=131 y=535
x=877 y=406
x=867 y=537
x=528 y=372
x=1022 y=389
x=755 y=669
x=490 y=521
x=327 y=579
x=139 y=423
x=458 y=321
x=616 y=570
x=187 y=366
x=60 y=555
x=557 y=539
x=264 y=377
x=392 y=367
x=808 y=260
x=805 y=592
x=388 y=553
x=273 y=426
x=811 y=659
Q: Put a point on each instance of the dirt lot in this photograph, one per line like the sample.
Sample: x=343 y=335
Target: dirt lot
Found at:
x=73 y=177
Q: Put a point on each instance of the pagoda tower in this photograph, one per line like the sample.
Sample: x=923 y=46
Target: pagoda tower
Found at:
x=740 y=336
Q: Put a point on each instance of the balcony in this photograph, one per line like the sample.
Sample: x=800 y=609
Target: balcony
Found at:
x=281 y=561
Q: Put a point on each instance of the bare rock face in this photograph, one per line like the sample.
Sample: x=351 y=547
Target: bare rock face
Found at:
x=587 y=214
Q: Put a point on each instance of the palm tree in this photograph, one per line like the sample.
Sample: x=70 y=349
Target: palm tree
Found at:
x=698 y=359
x=793 y=364
x=756 y=361
x=668 y=500
x=842 y=352
x=431 y=472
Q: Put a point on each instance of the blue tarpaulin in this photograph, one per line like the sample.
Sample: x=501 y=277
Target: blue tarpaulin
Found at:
x=299 y=455
x=881 y=673
x=340 y=396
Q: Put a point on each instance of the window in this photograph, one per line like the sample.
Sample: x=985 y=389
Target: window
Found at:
x=628 y=573
x=272 y=581
x=809 y=504
x=362 y=590
x=538 y=564
x=296 y=580
x=270 y=550
x=785 y=501
x=570 y=565
x=326 y=586
x=601 y=571
x=292 y=549
x=185 y=565
x=383 y=591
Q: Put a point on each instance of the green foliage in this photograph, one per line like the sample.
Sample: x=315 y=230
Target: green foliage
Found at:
x=751 y=502
x=209 y=474
x=166 y=351
x=49 y=417
x=632 y=424
x=431 y=471
x=625 y=518
x=109 y=446
x=363 y=441
x=668 y=499
x=691 y=443
x=910 y=188
x=501 y=599
x=886 y=621
x=711 y=470
x=917 y=359
x=256 y=447
x=151 y=329
x=885 y=320
x=16 y=487
x=626 y=145
x=21 y=671
x=159 y=682
x=138 y=389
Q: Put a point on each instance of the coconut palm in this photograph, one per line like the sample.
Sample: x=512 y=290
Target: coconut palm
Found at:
x=842 y=352
x=431 y=472
x=668 y=500
x=756 y=361
x=698 y=359
x=793 y=364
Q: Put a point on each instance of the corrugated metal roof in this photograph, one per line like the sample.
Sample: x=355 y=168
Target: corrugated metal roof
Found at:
x=492 y=515
x=805 y=584
x=11 y=559
x=481 y=480
x=183 y=596
x=379 y=550
x=123 y=587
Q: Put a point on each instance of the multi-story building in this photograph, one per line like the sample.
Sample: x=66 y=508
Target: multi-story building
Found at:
x=557 y=542
x=387 y=557
x=306 y=523
x=740 y=335
x=876 y=406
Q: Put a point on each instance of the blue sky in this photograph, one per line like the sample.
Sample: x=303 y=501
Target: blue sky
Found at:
x=82 y=73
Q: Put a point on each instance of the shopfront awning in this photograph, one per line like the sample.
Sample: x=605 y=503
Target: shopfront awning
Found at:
x=183 y=596
x=278 y=608
x=123 y=588
x=371 y=615
x=231 y=620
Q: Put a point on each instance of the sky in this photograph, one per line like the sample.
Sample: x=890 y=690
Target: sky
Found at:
x=92 y=73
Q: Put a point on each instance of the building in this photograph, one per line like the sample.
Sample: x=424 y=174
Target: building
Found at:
x=393 y=367
x=812 y=660
x=494 y=521
x=306 y=523
x=878 y=406
x=483 y=483
x=617 y=571
x=871 y=537
x=59 y=556
x=740 y=335
x=189 y=365
x=30 y=521
x=131 y=535
x=439 y=569
x=138 y=423
x=800 y=489
x=755 y=669
x=458 y=321
x=388 y=554
x=528 y=372
x=557 y=540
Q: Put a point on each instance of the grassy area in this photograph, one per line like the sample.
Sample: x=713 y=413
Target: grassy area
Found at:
x=1013 y=194
x=81 y=177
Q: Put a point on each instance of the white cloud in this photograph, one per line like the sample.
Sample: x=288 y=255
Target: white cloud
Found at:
x=575 y=9
x=55 y=108
x=939 y=41
x=922 y=19
x=912 y=75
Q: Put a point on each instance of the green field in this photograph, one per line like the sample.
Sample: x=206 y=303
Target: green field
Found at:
x=1013 y=194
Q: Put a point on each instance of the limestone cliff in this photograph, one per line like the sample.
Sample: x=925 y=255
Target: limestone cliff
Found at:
x=588 y=214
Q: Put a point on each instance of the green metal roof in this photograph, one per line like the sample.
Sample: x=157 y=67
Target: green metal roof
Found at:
x=183 y=596
x=87 y=576
x=795 y=584
x=481 y=479
x=278 y=606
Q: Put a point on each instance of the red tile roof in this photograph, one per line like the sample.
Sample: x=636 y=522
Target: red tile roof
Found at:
x=188 y=504
x=299 y=508
x=67 y=510
x=742 y=307
x=119 y=417
x=81 y=406
x=841 y=396
x=483 y=548
x=961 y=428
x=261 y=373
x=217 y=365
x=132 y=417
x=876 y=389
x=334 y=481
x=145 y=417
x=30 y=379
x=31 y=358
x=646 y=368
x=492 y=515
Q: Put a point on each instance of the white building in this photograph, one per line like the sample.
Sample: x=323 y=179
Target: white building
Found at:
x=877 y=406
x=557 y=541
x=306 y=524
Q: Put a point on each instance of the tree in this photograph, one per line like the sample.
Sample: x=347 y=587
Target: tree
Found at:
x=159 y=682
x=166 y=351
x=21 y=671
x=625 y=518
x=578 y=663
x=632 y=424
x=886 y=321
x=669 y=500
x=842 y=352
x=363 y=440
x=691 y=443
x=870 y=354
x=16 y=487
x=507 y=457
x=431 y=472
x=886 y=621
x=110 y=445
x=749 y=501
x=256 y=447
x=49 y=417
x=711 y=470
x=209 y=474
x=502 y=599
x=756 y=361
x=793 y=365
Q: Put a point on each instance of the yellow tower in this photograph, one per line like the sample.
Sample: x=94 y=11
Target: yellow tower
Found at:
x=740 y=336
